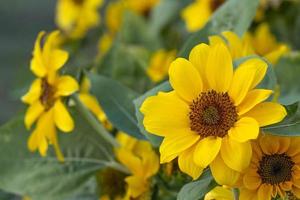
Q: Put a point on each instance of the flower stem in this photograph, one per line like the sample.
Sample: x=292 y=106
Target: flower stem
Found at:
x=94 y=122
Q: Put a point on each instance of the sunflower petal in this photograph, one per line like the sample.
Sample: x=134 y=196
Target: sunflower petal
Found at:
x=185 y=79
x=219 y=68
x=236 y=155
x=206 y=150
x=267 y=113
x=37 y=64
x=34 y=92
x=62 y=118
x=66 y=85
x=251 y=180
x=32 y=113
x=264 y=192
x=245 y=129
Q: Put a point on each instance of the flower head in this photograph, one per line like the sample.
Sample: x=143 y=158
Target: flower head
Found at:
x=142 y=162
x=76 y=17
x=212 y=112
x=45 y=95
x=197 y=14
x=159 y=64
x=274 y=170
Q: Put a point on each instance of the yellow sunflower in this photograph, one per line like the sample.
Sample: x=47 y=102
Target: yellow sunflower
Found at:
x=212 y=113
x=219 y=193
x=197 y=14
x=274 y=170
x=76 y=17
x=45 y=95
x=159 y=64
x=142 y=162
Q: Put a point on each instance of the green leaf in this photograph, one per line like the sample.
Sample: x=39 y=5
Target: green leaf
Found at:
x=288 y=72
x=155 y=140
x=26 y=173
x=197 y=189
x=233 y=15
x=290 y=126
x=117 y=103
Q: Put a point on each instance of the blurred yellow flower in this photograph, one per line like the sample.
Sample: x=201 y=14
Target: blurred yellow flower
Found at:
x=219 y=193
x=105 y=43
x=274 y=169
x=45 y=95
x=212 y=113
x=261 y=42
x=92 y=103
x=159 y=64
x=142 y=162
x=197 y=14
x=76 y=17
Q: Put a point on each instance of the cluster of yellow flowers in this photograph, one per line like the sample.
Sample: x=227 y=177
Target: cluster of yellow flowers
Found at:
x=212 y=118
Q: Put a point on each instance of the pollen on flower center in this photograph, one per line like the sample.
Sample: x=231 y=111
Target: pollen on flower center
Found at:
x=275 y=169
x=47 y=98
x=212 y=114
x=215 y=4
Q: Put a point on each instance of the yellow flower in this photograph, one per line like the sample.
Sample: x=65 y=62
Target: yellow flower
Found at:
x=219 y=193
x=105 y=43
x=212 y=113
x=142 y=162
x=159 y=64
x=92 y=103
x=45 y=96
x=76 y=17
x=262 y=43
x=265 y=44
x=197 y=14
x=274 y=169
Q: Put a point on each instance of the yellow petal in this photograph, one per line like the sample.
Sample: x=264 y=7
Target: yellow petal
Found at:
x=172 y=146
x=278 y=145
x=66 y=85
x=33 y=141
x=267 y=113
x=275 y=55
x=37 y=64
x=219 y=193
x=246 y=194
x=219 y=70
x=206 y=150
x=222 y=173
x=32 y=113
x=236 y=155
x=62 y=118
x=185 y=79
x=57 y=59
x=128 y=159
x=264 y=192
x=251 y=180
x=198 y=57
x=34 y=92
x=245 y=77
x=216 y=39
x=187 y=165
x=91 y=103
x=294 y=147
x=136 y=185
x=235 y=44
x=165 y=114
x=253 y=98
x=244 y=130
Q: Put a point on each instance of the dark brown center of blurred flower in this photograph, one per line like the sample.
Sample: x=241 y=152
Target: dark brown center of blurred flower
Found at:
x=212 y=114
x=275 y=169
x=215 y=4
x=78 y=2
x=47 y=98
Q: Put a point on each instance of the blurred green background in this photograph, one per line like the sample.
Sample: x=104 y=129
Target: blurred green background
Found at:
x=20 y=20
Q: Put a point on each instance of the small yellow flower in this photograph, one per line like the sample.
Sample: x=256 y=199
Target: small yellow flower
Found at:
x=212 y=113
x=159 y=64
x=92 y=103
x=219 y=193
x=274 y=169
x=142 y=162
x=105 y=43
x=76 y=17
x=45 y=95
x=197 y=14
x=262 y=43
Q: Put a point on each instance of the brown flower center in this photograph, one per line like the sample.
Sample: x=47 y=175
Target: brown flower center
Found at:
x=78 y=2
x=215 y=4
x=275 y=169
x=47 y=98
x=212 y=114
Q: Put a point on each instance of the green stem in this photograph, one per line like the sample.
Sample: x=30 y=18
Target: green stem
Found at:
x=94 y=122
x=118 y=167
